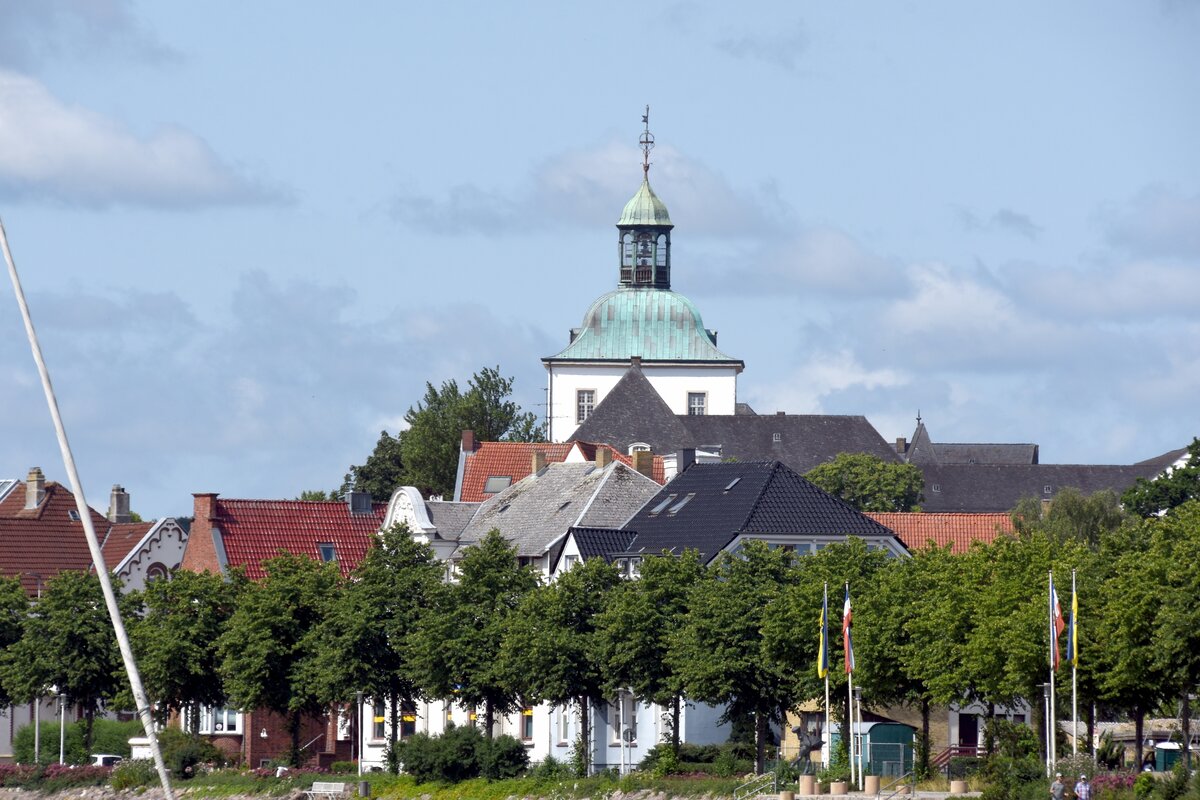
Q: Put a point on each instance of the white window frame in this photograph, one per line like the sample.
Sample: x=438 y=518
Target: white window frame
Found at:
x=562 y=722
x=582 y=410
x=212 y=716
x=692 y=406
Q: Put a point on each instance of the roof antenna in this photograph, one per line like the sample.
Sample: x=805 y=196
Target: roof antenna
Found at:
x=647 y=143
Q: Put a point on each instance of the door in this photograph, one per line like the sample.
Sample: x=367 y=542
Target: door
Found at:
x=968 y=731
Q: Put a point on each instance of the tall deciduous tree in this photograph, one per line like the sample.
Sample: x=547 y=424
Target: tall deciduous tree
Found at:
x=362 y=645
x=1174 y=488
x=68 y=642
x=455 y=650
x=869 y=483
x=268 y=641
x=175 y=639
x=550 y=650
x=720 y=652
x=14 y=609
x=380 y=474
x=635 y=627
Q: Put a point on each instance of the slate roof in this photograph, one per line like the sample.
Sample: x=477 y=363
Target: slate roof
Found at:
x=919 y=530
x=923 y=450
x=602 y=542
x=534 y=512
x=255 y=530
x=44 y=541
x=733 y=498
x=497 y=459
x=634 y=412
x=643 y=322
x=450 y=518
x=981 y=487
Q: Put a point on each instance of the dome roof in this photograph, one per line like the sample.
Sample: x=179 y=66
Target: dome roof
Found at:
x=653 y=324
x=645 y=209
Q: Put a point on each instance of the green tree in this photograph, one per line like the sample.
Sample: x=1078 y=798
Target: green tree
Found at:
x=363 y=642
x=869 y=483
x=268 y=641
x=720 y=652
x=1071 y=516
x=550 y=653
x=68 y=642
x=455 y=651
x=382 y=472
x=634 y=630
x=1147 y=498
x=175 y=639
x=429 y=448
x=320 y=495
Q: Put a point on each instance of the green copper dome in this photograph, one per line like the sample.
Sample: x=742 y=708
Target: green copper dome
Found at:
x=645 y=209
x=653 y=324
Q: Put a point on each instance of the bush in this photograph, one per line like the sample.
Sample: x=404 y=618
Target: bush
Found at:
x=962 y=767
x=73 y=751
x=1144 y=785
x=344 y=766
x=134 y=774
x=181 y=752
x=502 y=757
x=551 y=770
x=461 y=753
x=1175 y=785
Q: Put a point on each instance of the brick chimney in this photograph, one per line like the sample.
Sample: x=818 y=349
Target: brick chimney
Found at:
x=468 y=442
x=539 y=461
x=643 y=462
x=118 y=505
x=200 y=553
x=603 y=457
x=35 y=488
x=901 y=445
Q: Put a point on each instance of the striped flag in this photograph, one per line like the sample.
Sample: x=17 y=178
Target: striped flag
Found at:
x=823 y=653
x=1057 y=625
x=1073 y=631
x=847 y=641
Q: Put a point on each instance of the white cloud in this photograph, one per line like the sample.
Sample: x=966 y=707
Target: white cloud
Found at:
x=804 y=388
x=1160 y=221
x=53 y=151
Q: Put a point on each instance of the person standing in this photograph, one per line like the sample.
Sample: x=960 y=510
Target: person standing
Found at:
x=1058 y=788
x=1083 y=789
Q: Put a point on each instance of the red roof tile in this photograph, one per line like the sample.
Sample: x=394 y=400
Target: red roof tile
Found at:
x=255 y=530
x=504 y=459
x=46 y=540
x=917 y=529
x=122 y=537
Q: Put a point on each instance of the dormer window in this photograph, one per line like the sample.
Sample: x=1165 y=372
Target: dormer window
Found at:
x=496 y=484
x=327 y=551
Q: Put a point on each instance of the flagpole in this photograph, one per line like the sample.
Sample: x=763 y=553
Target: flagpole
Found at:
x=1051 y=758
x=848 y=655
x=1074 y=670
x=828 y=747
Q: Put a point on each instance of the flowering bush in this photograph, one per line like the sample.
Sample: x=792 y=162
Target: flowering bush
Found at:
x=1112 y=783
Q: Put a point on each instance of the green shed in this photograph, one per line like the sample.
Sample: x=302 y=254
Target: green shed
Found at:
x=1165 y=756
x=887 y=747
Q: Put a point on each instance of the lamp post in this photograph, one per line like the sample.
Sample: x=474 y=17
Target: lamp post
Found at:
x=62 y=728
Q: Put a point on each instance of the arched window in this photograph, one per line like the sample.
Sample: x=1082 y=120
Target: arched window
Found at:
x=638 y=447
x=157 y=572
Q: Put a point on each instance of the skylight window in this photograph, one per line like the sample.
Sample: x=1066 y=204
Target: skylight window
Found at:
x=733 y=483
x=658 y=508
x=497 y=483
x=675 y=508
x=327 y=551
x=73 y=515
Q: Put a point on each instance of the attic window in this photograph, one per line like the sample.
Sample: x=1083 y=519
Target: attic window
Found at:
x=732 y=483
x=937 y=487
x=658 y=508
x=777 y=437
x=497 y=483
x=1047 y=489
x=327 y=551
x=675 y=508
x=73 y=515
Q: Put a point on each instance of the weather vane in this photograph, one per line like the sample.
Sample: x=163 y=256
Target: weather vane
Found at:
x=647 y=143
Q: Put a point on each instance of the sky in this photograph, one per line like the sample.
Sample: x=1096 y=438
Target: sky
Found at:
x=249 y=233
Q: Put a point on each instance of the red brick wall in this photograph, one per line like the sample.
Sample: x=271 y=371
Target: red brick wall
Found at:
x=200 y=554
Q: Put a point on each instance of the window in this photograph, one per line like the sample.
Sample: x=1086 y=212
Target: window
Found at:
x=777 y=437
x=496 y=484
x=697 y=401
x=733 y=483
x=1047 y=489
x=73 y=515
x=218 y=719
x=563 y=722
x=568 y=562
x=937 y=487
x=156 y=572
x=658 y=508
x=379 y=721
x=585 y=401
x=673 y=510
x=639 y=447
x=635 y=566
x=408 y=719
x=622 y=718
x=527 y=724
x=328 y=551
x=622 y=565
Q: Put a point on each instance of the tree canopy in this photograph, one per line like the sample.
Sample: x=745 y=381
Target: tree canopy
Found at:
x=869 y=483
x=1147 y=498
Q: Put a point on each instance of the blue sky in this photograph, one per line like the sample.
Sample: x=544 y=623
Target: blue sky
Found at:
x=250 y=232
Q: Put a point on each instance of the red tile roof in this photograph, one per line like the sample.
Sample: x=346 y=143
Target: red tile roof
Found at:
x=255 y=530
x=122 y=537
x=588 y=449
x=498 y=459
x=917 y=529
x=43 y=541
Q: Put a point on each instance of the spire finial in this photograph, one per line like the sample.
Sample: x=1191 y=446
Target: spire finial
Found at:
x=918 y=416
x=647 y=143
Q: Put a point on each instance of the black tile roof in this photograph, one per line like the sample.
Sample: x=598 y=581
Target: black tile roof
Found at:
x=733 y=498
x=981 y=487
x=602 y=542
x=922 y=450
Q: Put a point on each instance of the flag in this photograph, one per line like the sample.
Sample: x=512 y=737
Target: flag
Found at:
x=1056 y=626
x=847 y=642
x=823 y=653
x=1073 y=631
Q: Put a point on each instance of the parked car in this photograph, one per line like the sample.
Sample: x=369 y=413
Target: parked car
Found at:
x=105 y=760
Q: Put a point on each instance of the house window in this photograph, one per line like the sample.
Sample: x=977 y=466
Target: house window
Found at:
x=776 y=437
x=563 y=723
x=639 y=447
x=568 y=562
x=497 y=483
x=635 y=567
x=937 y=487
x=327 y=551
x=156 y=572
x=697 y=401
x=622 y=717
x=379 y=721
x=408 y=719
x=658 y=508
x=1047 y=489
x=622 y=565
x=218 y=719
x=673 y=510
x=527 y=724
x=585 y=401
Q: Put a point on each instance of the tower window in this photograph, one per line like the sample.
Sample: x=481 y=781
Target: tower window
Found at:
x=585 y=401
x=697 y=404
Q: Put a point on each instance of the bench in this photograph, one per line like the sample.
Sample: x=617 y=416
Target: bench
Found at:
x=325 y=791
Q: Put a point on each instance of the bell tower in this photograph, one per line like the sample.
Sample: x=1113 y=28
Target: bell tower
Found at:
x=644 y=245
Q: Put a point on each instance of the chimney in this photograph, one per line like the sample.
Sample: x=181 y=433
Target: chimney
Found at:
x=35 y=488
x=603 y=457
x=468 y=441
x=635 y=361
x=684 y=459
x=901 y=445
x=643 y=462
x=539 y=461
x=118 y=505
